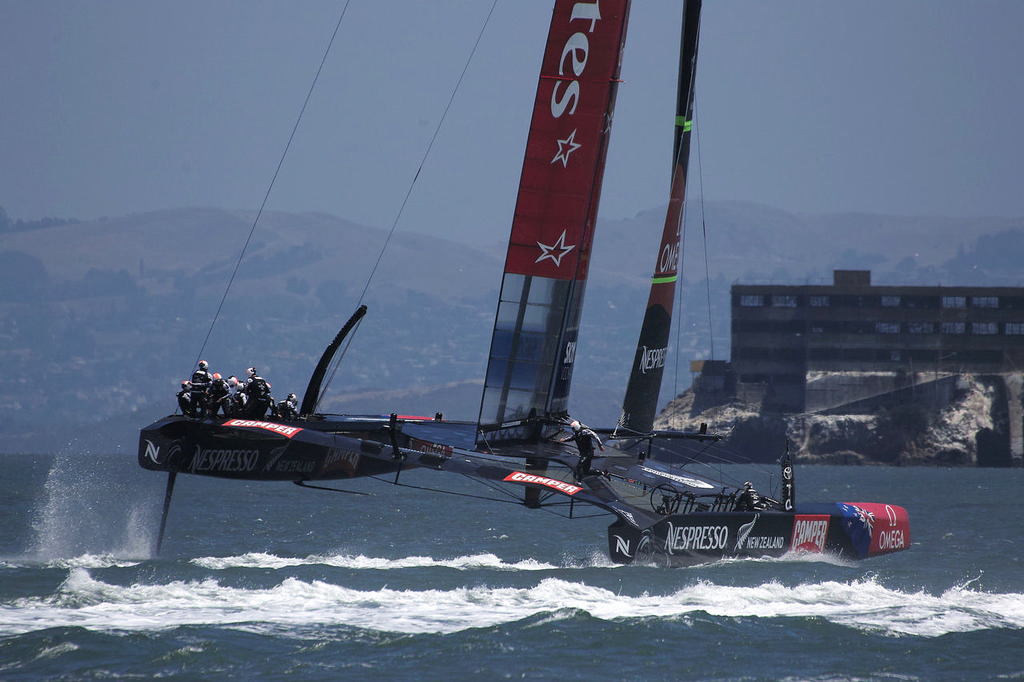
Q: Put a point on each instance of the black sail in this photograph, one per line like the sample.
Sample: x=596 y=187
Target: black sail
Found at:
x=640 y=404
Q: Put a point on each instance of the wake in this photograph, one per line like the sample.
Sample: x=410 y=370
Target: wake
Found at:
x=299 y=606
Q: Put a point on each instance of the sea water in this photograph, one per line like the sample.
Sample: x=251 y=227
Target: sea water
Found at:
x=270 y=581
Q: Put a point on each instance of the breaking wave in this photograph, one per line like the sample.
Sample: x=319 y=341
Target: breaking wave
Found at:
x=477 y=561
x=295 y=605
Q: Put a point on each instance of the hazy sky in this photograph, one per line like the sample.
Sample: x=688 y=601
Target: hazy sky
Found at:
x=119 y=106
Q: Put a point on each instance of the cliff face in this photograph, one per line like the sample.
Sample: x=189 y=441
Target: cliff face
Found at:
x=978 y=424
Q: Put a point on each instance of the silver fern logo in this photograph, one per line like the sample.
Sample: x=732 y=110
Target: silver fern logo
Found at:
x=744 y=532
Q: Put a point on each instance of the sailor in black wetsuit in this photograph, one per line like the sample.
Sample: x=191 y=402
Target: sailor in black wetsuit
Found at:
x=218 y=396
x=201 y=380
x=185 y=398
x=748 y=499
x=236 y=402
x=257 y=395
x=288 y=409
x=584 y=438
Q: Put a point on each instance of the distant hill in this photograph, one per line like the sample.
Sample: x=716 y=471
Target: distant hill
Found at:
x=101 y=320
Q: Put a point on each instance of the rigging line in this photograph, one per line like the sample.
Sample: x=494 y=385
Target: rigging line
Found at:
x=704 y=228
x=430 y=146
x=446 y=492
x=273 y=179
x=680 y=309
x=336 y=363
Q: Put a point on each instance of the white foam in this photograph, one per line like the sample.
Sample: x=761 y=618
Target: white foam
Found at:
x=297 y=605
x=361 y=562
x=84 y=513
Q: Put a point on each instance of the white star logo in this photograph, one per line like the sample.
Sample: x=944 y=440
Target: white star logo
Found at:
x=565 y=148
x=556 y=251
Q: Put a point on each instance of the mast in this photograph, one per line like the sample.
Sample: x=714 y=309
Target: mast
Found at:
x=640 y=404
x=533 y=345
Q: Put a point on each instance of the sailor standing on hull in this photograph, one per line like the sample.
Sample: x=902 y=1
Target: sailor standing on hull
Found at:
x=584 y=437
x=201 y=380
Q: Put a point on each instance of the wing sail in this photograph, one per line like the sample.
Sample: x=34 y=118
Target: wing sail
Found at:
x=640 y=404
x=533 y=344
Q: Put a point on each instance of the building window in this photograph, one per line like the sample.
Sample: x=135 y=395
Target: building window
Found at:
x=921 y=327
x=890 y=301
x=984 y=328
x=752 y=301
x=784 y=301
x=1015 y=328
x=954 y=301
x=954 y=328
x=887 y=327
x=985 y=301
x=819 y=301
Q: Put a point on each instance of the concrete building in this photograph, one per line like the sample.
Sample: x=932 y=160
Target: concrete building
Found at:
x=811 y=347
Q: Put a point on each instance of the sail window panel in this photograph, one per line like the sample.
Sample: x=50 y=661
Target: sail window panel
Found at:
x=543 y=318
x=501 y=344
x=547 y=291
x=512 y=287
x=535 y=318
x=529 y=376
x=519 y=404
x=521 y=347
x=499 y=405
x=523 y=376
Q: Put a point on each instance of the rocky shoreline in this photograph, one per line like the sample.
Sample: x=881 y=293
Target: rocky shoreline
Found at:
x=979 y=425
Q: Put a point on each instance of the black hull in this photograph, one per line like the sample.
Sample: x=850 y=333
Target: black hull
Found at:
x=278 y=451
x=847 y=530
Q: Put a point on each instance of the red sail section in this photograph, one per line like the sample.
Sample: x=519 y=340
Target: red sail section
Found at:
x=552 y=230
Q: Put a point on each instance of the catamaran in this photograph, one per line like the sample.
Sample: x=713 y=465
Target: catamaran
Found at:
x=664 y=508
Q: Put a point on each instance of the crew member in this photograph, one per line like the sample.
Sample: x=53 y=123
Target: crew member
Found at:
x=218 y=396
x=257 y=395
x=288 y=409
x=185 y=398
x=584 y=437
x=237 y=399
x=748 y=499
x=201 y=380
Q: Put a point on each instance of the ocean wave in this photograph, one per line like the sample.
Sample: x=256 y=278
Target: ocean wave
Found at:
x=360 y=562
x=296 y=606
x=80 y=561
